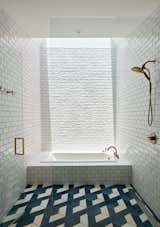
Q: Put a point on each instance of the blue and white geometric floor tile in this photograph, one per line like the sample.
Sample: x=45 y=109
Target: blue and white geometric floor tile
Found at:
x=76 y=206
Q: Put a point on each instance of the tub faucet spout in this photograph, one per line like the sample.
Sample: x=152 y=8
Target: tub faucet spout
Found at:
x=115 y=151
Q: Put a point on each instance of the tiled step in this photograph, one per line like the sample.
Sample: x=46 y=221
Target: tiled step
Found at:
x=112 y=174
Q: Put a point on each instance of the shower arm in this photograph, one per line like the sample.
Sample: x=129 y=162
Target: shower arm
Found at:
x=149 y=61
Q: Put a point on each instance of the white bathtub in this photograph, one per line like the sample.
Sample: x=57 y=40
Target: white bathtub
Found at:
x=71 y=159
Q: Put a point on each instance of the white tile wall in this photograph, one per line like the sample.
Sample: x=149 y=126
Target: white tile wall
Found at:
x=132 y=108
x=31 y=95
x=16 y=71
x=76 y=99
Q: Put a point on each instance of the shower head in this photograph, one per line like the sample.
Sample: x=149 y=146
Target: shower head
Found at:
x=141 y=69
x=137 y=69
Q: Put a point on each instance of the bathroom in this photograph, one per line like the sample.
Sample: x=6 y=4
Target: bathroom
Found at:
x=79 y=113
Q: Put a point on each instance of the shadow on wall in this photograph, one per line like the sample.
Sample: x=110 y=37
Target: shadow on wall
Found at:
x=46 y=139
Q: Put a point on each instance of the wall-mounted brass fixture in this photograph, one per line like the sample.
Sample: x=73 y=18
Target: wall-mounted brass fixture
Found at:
x=10 y=92
x=152 y=138
x=5 y=91
x=146 y=72
x=19 y=146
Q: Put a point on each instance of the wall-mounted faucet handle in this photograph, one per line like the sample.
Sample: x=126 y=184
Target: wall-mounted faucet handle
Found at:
x=2 y=89
x=152 y=138
x=10 y=92
x=6 y=91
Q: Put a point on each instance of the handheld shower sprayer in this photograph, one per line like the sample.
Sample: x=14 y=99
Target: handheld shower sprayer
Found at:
x=146 y=72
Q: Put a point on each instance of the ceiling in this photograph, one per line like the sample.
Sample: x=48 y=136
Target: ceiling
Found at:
x=93 y=26
x=80 y=18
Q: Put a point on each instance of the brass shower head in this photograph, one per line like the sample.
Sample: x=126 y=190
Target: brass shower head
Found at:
x=137 y=69
x=141 y=69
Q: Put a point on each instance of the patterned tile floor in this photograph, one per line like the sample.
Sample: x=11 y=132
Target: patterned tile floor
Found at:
x=76 y=206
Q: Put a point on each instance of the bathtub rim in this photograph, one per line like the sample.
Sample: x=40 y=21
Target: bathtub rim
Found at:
x=33 y=160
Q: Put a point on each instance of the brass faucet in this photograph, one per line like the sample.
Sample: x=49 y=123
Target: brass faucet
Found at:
x=115 y=151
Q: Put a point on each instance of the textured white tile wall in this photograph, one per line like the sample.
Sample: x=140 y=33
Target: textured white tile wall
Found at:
x=132 y=108
x=76 y=99
x=12 y=171
x=16 y=71
x=31 y=95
